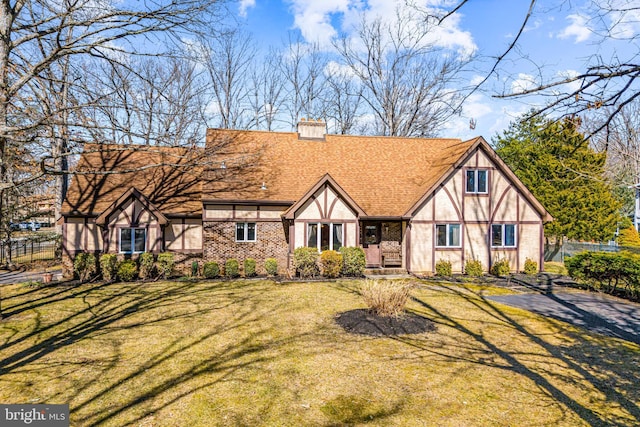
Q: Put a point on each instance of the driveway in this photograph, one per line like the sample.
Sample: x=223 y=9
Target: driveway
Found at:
x=596 y=312
x=10 y=277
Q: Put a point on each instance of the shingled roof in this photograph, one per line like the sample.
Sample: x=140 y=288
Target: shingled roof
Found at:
x=169 y=178
x=385 y=176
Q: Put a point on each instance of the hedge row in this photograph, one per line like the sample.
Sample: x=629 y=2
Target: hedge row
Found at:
x=616 y=273
x=86 y=267
x=350 y=261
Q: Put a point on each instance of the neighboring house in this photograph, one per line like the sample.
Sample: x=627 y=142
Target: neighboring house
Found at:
x=408 y=202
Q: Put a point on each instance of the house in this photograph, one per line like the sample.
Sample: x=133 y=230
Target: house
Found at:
x=408 y=202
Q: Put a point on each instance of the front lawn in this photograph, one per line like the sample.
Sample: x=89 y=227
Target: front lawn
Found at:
x=262 y=353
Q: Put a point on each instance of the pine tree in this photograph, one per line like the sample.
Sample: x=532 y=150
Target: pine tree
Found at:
x=555 y=162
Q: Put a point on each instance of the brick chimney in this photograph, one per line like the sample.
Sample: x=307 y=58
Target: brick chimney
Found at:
x=312 y=129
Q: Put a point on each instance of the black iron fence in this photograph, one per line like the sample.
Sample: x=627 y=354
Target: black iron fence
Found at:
x=553 y=252
x=24 y=250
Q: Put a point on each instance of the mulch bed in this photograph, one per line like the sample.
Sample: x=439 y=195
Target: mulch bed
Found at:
x=364 y=322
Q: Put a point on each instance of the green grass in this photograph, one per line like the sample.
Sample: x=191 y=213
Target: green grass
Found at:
x=260 y=353
x=555 y=268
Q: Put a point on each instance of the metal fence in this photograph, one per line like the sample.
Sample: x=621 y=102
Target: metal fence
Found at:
x=22 y=251
x=558 y=253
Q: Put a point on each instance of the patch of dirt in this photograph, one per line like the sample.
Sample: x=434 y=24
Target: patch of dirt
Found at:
x=364 y=322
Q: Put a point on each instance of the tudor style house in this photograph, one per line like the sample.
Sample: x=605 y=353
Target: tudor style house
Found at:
x=408 y=202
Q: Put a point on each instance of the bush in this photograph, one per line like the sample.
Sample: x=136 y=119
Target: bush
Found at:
x=305 y=261
x=353 y=261
x=473 y=267
x=443 y=268
x=629 y=237
x=146 y=265
x=331 y=262
x=249 y=267
x=271 y=265
x=165 y=264
x=611 y=272
x=109 y=266
x=211 y=270
x=530 y=267
x=232 y=268
x=501 y=267
x=386 y=297
x=127 y=270
x=195 y=268
x=84 y=266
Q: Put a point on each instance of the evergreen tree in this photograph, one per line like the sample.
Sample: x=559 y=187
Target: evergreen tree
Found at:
x=555 y=162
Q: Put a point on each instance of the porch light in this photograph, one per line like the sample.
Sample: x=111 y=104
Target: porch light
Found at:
x=222 y=165
x=264 y=186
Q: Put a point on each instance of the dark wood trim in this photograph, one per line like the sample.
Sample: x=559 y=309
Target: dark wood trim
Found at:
x=241 y=220
x=188 y=216
x=427 y=221
x=85 y=232
x=315 y=200
x=453 y=202
x=243 y=202
x=497 y=206
x=408 y=248
x=327 y=221
x=326 y=201
x=333 y=204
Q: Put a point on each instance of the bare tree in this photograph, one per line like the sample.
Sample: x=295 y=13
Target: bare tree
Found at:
x=343 y=98
x=150 y=101
x=267 y=91
x=407 y=82
x=39 y=38
x=303 y=66
x=229 y=59
x=604 y=83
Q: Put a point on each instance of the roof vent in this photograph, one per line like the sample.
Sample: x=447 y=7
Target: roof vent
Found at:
x=312 y=129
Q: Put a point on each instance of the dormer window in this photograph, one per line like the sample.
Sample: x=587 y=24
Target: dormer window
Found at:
x=477 y=180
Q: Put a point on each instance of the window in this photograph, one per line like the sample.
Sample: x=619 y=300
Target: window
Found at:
x=477 y=181
x=245 y=232
x=448 y=235
x=503 y=235
x=133 y=240
x=325 y=236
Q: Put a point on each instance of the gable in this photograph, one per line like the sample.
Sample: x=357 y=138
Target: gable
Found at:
x=508 y=195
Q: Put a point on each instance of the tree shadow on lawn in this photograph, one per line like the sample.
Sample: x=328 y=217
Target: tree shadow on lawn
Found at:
x=111 y=309
x=596 y=361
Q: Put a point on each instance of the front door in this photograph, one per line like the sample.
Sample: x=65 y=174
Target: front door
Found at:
x=371 y=236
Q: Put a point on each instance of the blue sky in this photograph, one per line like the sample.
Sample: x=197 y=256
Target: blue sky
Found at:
x=558 y=40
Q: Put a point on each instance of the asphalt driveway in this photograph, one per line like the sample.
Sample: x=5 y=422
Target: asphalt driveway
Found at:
x=595 y=312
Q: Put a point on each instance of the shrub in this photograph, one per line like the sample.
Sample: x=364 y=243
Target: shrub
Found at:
x=127 y=270
x=249 y=267
x=530 y=267
x=195 y=268
x=331 y=262
x=386 y=297
x=629 y=237
x=353 y=261
x=271 y=265
x=443 y=268
x=84 y=265
x=211 y=270
x=109 y=266
x=305 y=261
x=146 y=265
x=473 y=267
x=501 y=267
x=232 y=268
x=165 y=264
x=614 y=273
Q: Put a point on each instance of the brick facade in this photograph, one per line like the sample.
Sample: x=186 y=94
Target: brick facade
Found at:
x=219 y=244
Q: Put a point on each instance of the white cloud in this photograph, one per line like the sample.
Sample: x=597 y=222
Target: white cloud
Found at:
x=244 y=6
x=568 y=74
x=578 y=28
x=522 y=83
x=317 y=20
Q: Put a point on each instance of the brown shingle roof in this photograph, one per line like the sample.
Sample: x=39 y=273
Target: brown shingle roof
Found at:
x=169 y=177
x=384 y=175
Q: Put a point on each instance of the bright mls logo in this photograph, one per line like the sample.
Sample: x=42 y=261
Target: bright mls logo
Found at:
x=34 y=415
